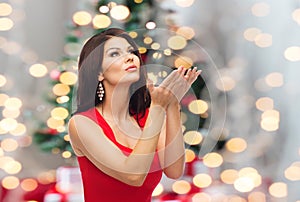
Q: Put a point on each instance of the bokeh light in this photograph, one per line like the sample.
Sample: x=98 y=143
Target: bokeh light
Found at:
x=236 y=145
x=158 y=190
x=278 y=189
x=120 y=12
x=198 y=106
x=212 y=160
x=29 y=184
x=181 y=187
x=2 y=80
x=202 y=180
x=229 y=176
x=274 y=79
x=6 y=24
x=184 y=3
x=192 y=137
x=5 y=9
x=101 y=21
x=260 y=9
x=10 y=182
x=82 y=18
x=177 y=42
x=292 y=53
x=264 y=103
x=38 y=70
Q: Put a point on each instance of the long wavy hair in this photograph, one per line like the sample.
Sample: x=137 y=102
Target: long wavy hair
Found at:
x=90 y=65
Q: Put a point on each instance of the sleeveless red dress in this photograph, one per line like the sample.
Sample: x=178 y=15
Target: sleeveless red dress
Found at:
x=100 y=187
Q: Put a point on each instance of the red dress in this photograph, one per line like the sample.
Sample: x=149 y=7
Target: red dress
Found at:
x=100 y=187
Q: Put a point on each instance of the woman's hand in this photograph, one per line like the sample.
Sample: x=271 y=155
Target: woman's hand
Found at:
x=180 y=81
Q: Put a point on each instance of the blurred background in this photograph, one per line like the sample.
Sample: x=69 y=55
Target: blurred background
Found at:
x=240 y=118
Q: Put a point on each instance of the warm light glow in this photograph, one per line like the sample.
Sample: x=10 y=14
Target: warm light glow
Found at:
x=158 y=190
x=103 y=9
x=29 y=184
x=212 y=160
x=101 y=21
x=296 y=15
x=19 y=130
x=244 y=184
x=186 y=32
x=278 y=189
x=62 y=99
x=54 y=123
x=119 y=12
x=3 y=98
x=60 y=89
x=6 y=24
x=12 y=167
x=46 y=177
x=198 y=106
x=68 y=78
x=201 y=197
x=274 y=79
x=67 y=137
x=9 y=144
x=252 y=174
x=66 y=154
x=4 y=160
x=2 y=80
x=11 y=113
x=133 y=34
x=257 y=197
x=177 y=42
x=260 y=9
x=167 y=52
x=189 y=155
x=225 y=83
x=148 y=40
x=13 y=103
x=181 y=187
x=229 y=176
x=8 y=124
x=150 y=25
x=192 y=137
x=5 y=9
x=251 y=33
x=293 y=172
x=264 y=103
x=184 y=3
x=202 y=180
x=183 y=61
x=157 y=55
x=59 y=113
x=155 y=46
x=236 y=145
x=38 y=70
x=270 y=120
x=138 y=1
x=292 y=53
x=142 y=50
x=263 y=40
x=82 y=18
x=11 y=47
x=10 y=182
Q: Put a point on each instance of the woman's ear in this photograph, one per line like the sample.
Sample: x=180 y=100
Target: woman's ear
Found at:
x=100 y=77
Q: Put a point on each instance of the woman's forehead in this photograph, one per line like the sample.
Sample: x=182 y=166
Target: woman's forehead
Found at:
x=117 y=42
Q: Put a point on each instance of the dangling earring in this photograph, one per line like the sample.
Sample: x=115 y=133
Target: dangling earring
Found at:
x=100 y=91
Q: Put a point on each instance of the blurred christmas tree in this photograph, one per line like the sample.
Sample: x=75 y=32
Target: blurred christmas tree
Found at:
x=161 y=48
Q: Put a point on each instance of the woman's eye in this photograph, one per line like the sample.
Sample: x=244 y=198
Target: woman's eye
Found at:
x=114 y=54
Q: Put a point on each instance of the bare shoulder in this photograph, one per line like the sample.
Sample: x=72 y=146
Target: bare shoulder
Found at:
x=79 y=128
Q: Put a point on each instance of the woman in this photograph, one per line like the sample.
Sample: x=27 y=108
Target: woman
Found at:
x=125 y=134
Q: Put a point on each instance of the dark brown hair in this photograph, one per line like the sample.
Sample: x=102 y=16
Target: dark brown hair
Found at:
x=90 y=65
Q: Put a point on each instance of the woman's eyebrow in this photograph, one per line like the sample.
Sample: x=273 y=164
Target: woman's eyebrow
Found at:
x=112 y=48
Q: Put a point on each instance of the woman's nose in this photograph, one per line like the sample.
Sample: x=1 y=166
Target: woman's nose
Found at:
x=129 y=57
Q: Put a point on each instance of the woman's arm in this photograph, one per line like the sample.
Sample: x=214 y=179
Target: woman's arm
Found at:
x=173 y=154
x=171 y=144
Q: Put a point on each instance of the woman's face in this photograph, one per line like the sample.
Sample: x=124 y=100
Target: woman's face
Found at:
x=120 y=64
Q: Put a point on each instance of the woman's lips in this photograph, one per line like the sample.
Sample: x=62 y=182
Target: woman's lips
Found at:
x=131 y=68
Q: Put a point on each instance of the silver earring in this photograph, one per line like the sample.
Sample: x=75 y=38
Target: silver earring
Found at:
x=100 y=91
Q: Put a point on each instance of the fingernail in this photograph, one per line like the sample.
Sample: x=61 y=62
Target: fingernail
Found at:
x=195 y=68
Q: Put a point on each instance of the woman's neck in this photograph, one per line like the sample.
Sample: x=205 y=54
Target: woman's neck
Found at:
x=116 y=103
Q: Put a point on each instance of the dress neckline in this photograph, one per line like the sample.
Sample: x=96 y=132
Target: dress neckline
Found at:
x=112 y=137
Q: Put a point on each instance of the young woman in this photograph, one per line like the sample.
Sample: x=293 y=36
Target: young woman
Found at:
x=125 y=133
